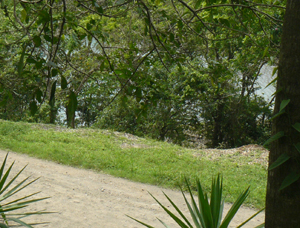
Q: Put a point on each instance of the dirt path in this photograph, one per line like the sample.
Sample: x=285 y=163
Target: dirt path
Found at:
x=83 y=198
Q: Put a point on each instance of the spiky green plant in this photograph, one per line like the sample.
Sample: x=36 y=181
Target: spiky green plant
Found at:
x=8 y=189
x=208 y=213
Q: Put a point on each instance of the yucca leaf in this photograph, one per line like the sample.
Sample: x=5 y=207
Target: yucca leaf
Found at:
x=27 y=214
x=283 y=104
x=177 y=209
x=18 y=188
x=196 y=217
x=242 y=224
x=14 y=190
x=38 y=223
x=140 y=222
x=17 y=203
x=174 y=217
x=13 y=179
x=4 y=178
x=260 y=226
x=197 y=211
x=22 y=198
x=234 y=208
x=10 y=208
x=162 y=222
x=204 y=206
x=16 y=220
x=24 y=203
x=17 y=200
x=221 y=213
x=290 y=178
x=280 y=160
x=216 y=200
x=3 y=216
x=2 y=166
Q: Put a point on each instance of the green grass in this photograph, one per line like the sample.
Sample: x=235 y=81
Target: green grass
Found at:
x=138 y=159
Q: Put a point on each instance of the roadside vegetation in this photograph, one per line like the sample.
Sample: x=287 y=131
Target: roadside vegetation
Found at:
x=138 y=159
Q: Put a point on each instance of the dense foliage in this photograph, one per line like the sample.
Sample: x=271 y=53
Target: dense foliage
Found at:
x=166 y=69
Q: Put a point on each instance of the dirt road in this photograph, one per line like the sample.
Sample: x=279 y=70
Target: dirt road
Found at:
x=83 y=198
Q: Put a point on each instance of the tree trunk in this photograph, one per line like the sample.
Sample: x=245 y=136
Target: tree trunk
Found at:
x=53 y=113
x=283 y=207
x=70 y=118
x=217 y=137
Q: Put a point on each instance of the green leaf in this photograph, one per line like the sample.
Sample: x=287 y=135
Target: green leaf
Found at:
x=234 y=208
x=290 y=179
x=140 y=222
x=38 y=95
x=33 y=107
x=64 y=83
x=224 y=22
x=274 y=71
x=24 y=224
x=283 y=104
x=138 y=94
x=54 y=72
x=180 y=24
x=280 y=160
x=89 y=26
x=172 y=215
x=242 y=224
x=2 y=168
x=266 y=51
x=99 y=9
x=278 y=114
x=198 y=4
x=23 y=15
x=178 y=210
x=203 y=212
x=4 y=178
x=272 y=82
x=297 y=146
x=30 y=60
x=102 y=66
x=297 y=126
x=37 y=41
x=47 y=38
x=274 y=137
x=171 y=36
x=21 y=62
x=39 y=64
x=44 y=17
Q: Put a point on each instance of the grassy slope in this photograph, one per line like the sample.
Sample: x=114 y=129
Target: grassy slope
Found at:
x=138 y=159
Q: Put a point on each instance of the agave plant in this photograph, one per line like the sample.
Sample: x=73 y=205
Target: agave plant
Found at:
x=8 y=190
x=209 y=212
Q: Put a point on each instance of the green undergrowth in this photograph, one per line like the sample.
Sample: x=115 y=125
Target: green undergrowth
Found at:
x=137 y=159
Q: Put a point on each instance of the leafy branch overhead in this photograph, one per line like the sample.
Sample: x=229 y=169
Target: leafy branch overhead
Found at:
x=116 y=52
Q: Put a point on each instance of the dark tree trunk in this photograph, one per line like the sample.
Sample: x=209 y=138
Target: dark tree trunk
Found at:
x=53 y=113
x=283 y=207
x=70 y=119
x=217 y=137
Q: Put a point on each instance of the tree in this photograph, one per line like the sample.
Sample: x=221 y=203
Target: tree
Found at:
x=283 y=189
x=42 y=43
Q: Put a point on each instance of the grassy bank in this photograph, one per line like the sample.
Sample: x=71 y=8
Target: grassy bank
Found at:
x=138 y=159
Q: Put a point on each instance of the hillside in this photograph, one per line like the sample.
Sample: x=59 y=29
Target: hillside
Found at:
x=142 y=160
